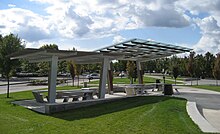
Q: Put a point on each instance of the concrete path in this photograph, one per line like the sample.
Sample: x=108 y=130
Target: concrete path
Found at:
x=202 y=82
x=19 y=87
x=203 y=107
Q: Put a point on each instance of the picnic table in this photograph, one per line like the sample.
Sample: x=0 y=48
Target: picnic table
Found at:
x=75 y=94
x=138 y=88
x=64 y=94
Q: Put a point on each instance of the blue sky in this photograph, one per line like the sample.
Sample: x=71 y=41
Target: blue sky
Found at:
x=89 y=25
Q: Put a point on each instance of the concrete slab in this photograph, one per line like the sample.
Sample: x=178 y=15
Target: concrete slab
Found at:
x=212 y=117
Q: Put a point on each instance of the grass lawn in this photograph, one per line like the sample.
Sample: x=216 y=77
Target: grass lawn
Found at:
x=178 y=78
x=208 y=87
x=127 y=81
x=158 y=114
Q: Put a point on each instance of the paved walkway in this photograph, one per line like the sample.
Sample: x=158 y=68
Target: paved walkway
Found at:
x=203 y=107
x=18 y=88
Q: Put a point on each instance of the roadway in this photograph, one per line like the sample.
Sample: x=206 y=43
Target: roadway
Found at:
x=16 y=87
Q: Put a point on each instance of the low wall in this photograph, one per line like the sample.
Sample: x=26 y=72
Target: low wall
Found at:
x=59 y=107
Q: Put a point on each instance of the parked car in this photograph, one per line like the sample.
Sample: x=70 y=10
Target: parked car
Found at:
x=93 y=76
x=122 y=74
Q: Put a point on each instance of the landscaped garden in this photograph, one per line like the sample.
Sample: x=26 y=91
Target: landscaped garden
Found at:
x=148 y=114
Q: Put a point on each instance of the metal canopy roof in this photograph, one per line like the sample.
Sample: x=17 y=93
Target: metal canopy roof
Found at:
x=82 y=57
x=135 y=49
x=143 y=50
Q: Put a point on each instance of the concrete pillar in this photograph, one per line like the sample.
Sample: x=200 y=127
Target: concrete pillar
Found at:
x=103 y=78
x=139 y=72
x=52 y=79
x=110 y=78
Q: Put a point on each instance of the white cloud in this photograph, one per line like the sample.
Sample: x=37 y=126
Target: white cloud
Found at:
x=71 y=19
x=210 y=40
x=91 y=19
x=25 y=23
x=209 y=26
x=11 y=5
x=117 y=39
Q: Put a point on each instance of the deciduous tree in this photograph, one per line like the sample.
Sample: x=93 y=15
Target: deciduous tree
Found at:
x=175 y=72
x=71 y=68
x=8 y=45
x=130 y=70
x=190 y=66
x=78 y=68
x=44 y=66
x=216 y=70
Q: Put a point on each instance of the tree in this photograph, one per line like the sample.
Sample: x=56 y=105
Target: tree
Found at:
x=130 y=70
x=175 y=72
x=190 y=65
x=8 y=45
x=28 y=67
x=78 y=71
x=150 y=66
x=50 y=47
x=44 y=66
x=209 y=64
x=199 y=68
x=122 y=65
x=62 y=66
x=71 y=68
x=216 y=69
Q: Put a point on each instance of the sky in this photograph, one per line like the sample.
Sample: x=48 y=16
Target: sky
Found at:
x=88 y=25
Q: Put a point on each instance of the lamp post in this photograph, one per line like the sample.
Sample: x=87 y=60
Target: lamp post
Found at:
x=163 y=76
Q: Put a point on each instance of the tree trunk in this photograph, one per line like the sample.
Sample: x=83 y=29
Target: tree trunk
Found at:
x=78 y=81
x=131 y=80
x=8 y=87
x=197 y=81
x=175 y=81
x=191 y=81
x=73 y=82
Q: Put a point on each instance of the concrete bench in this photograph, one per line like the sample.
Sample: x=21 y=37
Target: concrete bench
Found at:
x=65 y=98
x=75 y=97
x=38 y=96
x=130 y=91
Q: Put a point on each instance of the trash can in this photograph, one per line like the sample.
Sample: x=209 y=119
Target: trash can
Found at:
x=85 y=84
x=168 y=89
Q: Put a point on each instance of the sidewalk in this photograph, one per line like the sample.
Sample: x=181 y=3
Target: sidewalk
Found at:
x=203 y=107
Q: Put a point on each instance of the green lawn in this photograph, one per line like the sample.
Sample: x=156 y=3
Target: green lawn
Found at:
x=178 y=78
x=127 y=81
x=208 y=87
x=158 y=114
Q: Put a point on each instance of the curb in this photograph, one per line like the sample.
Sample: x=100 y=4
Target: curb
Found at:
x=195 y=115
